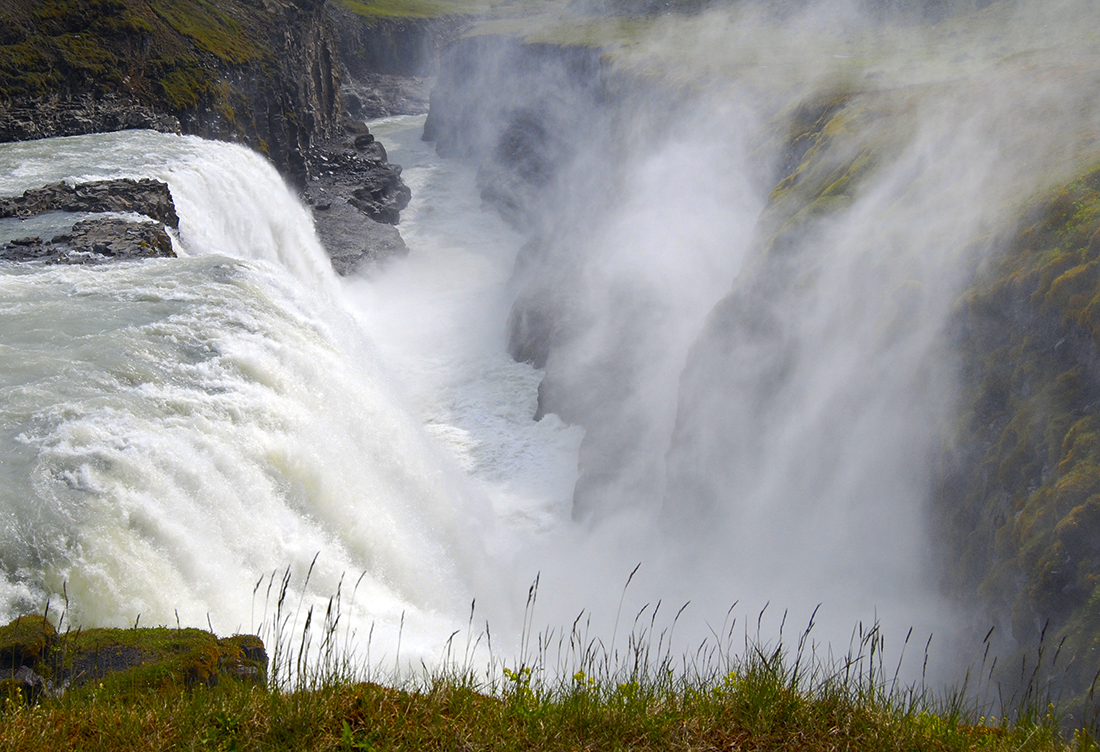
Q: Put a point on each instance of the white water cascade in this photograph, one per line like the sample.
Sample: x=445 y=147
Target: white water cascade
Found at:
x=173 y=432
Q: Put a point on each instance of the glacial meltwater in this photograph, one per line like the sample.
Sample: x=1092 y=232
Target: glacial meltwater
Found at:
x=175 y=434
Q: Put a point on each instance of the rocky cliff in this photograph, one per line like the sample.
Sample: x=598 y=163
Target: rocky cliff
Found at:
x=262 y=73
x=267 y=74
x=551 y=127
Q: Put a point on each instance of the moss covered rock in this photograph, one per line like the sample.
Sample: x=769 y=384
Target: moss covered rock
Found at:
x=262 y=73
x=122 y=661
x=27 y=641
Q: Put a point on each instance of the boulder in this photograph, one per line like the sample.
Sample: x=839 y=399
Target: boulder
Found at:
x=35 y=659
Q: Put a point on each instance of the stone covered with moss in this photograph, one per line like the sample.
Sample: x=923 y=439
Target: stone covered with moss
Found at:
x=35 y=657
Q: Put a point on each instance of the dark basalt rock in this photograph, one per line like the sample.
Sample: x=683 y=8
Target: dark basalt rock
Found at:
x=357 y=196
x=358 y=169
x=352 y=240
x=376 y=95
x=149 y=197
x=52 y=116
x=94 y=241
x=382 y=195
x=262 y=73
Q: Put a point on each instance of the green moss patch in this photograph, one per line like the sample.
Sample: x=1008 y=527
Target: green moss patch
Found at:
x=414 y=8
x=209 y=28
x=171 y=55
x=1022 y=506
x=26 y=641
x=122 y=662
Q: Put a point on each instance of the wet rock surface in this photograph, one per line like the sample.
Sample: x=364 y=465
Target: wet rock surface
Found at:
x=377 y=95
x=94 y=241
x=356 y=196
x=354 y=241
x=149 y=197
x=53 y=116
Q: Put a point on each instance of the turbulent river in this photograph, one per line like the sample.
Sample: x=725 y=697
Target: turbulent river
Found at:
x=177 y=435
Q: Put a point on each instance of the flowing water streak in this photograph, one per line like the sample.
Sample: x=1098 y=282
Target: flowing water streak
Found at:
x=172 y=430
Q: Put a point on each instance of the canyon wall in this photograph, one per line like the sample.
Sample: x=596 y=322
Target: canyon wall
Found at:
x=265 y=74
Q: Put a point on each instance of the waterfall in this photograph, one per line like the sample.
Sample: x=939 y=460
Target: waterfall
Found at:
x=173 y=431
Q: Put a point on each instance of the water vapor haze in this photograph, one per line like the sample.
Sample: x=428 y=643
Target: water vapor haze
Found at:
x=749 y=309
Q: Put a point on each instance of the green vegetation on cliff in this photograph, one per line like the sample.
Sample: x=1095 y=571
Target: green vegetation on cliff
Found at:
x=262 y=73
x=414 y=8
x=1024 y=515
x=153 y=50
x=1015 y=514
x=124 y=663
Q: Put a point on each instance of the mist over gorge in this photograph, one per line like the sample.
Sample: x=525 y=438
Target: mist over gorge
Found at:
x=794 y=304
x=784 y=267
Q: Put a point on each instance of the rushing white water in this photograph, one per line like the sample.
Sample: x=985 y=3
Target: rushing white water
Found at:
x=174 y=431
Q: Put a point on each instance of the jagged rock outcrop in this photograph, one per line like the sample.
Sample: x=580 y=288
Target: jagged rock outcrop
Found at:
x=266 y=74
x=262 y=73
x=96 y=240
x=149 y=197
x=21 y=120
x=357 y=197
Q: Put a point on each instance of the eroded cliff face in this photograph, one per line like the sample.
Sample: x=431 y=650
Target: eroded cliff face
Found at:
x=264 y=73
x=915 y=329
x=1018 y=499
x=392 y=46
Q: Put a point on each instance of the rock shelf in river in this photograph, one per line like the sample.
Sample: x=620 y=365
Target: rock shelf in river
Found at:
x=95 y=240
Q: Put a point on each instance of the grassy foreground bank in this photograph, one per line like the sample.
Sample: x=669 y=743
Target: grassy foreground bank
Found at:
x=765 y=705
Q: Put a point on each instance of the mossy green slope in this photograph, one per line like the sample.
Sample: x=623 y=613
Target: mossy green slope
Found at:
x=1022 y=495
x=261 y=73
x=764 y=705
x=126 y=662
x=157 y=51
